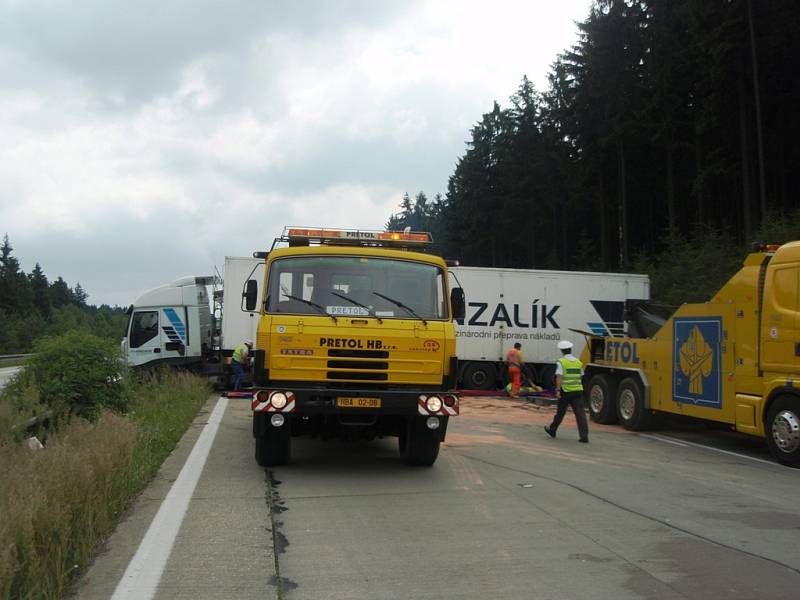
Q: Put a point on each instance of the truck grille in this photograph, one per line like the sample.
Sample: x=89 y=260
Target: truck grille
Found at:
x=357 y=364
x=379 y=368
x=358 y=353
x=358 y=376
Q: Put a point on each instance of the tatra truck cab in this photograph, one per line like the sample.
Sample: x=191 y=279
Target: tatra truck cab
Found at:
x=355 y=339
x=734 y=359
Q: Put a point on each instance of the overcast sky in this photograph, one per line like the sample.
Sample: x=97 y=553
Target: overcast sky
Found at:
x=143 y=141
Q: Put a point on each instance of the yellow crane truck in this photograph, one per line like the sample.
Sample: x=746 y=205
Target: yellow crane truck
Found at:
x=355 y=339
x=734 y=359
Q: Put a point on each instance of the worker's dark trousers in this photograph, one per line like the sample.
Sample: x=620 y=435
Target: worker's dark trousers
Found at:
x=238 y=374
x=575 y=400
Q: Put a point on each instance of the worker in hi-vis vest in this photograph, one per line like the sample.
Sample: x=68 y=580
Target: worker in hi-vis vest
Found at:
x=514 y=362
x=569 y=390
x=240 y=362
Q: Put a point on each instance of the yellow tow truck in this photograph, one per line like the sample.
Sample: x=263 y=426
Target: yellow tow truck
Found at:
x=734 y=359
x=355 y=339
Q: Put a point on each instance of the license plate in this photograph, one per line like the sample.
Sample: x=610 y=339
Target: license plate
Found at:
x=346 y=402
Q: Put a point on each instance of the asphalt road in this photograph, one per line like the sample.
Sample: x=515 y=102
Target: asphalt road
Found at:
x=506 y=512
x=7 y=373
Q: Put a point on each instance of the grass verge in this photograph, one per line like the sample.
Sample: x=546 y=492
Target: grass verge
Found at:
x=58 y=503
x=11 y=362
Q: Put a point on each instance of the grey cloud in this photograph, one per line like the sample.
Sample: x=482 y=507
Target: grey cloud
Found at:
x=135 y=50
x=426 y=167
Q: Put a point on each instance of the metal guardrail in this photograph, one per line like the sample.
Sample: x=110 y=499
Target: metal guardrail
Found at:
x=30 y=424
x=13 y=356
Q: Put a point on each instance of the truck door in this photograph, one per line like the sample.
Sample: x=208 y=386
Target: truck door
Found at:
x=143 y=338
x=174 y=333
x=780 y=327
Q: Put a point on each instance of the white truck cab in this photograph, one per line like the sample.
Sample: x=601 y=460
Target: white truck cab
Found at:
x=170 y=324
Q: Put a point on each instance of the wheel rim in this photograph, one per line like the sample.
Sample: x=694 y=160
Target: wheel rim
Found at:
x=627 y=404
x=786 y=431
x=479 y=378
x=597 y=399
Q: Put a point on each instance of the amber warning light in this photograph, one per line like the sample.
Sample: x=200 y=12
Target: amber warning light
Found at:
x=344 y=235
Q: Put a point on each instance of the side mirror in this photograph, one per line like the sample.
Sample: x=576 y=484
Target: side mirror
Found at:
x=459 y=303
x=250 y=294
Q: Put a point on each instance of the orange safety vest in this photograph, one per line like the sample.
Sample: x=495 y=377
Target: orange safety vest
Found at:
x=514 y=358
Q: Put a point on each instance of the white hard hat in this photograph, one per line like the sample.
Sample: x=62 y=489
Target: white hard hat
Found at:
x=249 y=344
x=565 y=345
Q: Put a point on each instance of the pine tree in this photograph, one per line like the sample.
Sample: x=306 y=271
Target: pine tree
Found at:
x=15 y=293
x=79 y=296
x=40 y=288
x=60 y=293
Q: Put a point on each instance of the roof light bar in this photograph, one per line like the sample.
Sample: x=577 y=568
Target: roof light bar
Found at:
x=345 y=236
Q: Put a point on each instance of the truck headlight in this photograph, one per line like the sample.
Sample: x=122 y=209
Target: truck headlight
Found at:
x=278 y=400
x=434 y=403
x=277 y=420
x=432 y=423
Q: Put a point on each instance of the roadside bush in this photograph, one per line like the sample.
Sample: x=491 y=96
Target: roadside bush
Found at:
x=78 y=373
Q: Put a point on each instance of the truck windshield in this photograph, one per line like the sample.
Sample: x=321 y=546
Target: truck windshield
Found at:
x=356 y=286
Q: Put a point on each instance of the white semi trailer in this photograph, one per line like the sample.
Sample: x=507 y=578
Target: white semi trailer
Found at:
x=537 y=309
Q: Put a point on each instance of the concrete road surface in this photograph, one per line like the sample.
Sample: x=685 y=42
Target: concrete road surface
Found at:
x=506 y=512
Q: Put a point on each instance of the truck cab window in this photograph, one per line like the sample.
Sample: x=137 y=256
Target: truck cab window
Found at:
x=144 y=327
x=339 y=284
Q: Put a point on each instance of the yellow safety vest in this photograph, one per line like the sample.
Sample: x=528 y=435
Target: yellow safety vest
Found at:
x=571 y=376
x=237 y=353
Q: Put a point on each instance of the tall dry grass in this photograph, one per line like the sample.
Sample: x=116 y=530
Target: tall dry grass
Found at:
x=57 y=504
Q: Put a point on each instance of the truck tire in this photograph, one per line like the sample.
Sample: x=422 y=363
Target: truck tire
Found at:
x=601 y=396
x=421 y=444
x=547 y=377
x=783 y=430
x=479 y=376
x=630 y=405
x=274 y=446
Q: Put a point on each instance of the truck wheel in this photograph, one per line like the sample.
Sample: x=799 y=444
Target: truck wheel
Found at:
x=274 y=446
x=421 y=443
x=547 y=377
x=479 y=376
x=783 y=431
x=600 y=393
x=630 y=405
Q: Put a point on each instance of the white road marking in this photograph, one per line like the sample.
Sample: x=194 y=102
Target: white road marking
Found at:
x=668 y=440
x=141 y=578
x=663 y=439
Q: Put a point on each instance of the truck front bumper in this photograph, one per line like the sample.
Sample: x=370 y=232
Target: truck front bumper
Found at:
x=337 y=401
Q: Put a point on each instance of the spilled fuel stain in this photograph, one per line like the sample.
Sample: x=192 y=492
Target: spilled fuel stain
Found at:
x=279 y=541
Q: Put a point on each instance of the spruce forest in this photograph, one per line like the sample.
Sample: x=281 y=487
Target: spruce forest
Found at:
x=663 y=144
x=31 y=307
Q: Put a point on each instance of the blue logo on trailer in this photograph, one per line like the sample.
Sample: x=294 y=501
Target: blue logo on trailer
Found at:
x=612 y=320
x=697 y=375
x=176 y=333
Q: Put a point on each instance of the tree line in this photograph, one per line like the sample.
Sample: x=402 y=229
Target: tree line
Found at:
x=669 y=126
x=32 y=307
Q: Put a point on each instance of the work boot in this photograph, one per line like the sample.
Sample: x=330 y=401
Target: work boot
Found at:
x=549 y=431
x=584 y=440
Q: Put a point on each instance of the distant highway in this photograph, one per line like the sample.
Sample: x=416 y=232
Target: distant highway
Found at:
x=7 y=373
